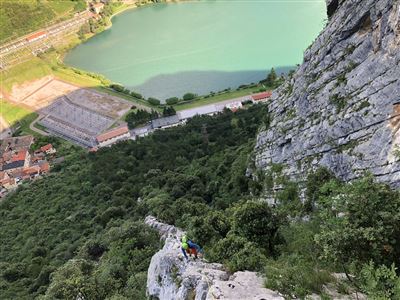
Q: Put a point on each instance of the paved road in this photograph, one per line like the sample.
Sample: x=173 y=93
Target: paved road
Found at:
x=32 y=127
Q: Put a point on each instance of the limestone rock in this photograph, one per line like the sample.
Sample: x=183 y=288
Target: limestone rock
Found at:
x=344 y=100
x=170 y=277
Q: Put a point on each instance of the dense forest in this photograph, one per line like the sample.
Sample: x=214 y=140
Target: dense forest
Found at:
x=80 y=230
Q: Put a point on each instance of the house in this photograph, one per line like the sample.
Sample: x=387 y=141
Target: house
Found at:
x=44 y=167
x=15 y=160
x=141 y=131
x=261 y=97
x=48 y=149
x=16 y=143
x=7 y=181
x=4 y=178
x=97 y=7
x=29 y=172
x=165 y=122
x=233 y=106
x=110 y=137
x=36 y=36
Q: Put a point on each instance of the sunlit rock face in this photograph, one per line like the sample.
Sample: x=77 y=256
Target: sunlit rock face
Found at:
x=170 y=277
x=341 y=108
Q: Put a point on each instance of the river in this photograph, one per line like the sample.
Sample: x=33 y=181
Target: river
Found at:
x=166 y=50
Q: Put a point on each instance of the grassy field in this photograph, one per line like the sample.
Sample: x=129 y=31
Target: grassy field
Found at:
x=30 y=70
x=217 y=98
x=18 y=116
x=21 y=17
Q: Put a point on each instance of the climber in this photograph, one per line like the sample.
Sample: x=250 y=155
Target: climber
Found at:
x=189 y=247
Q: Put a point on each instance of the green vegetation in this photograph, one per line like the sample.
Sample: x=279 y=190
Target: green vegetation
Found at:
x=83 y=226
x=189 y=96
x=18 y=117
x=168 y=111
x=338 y=102
x=21 y=17
x=139 y=117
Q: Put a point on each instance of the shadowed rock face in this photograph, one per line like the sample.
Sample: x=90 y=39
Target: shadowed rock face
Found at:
x=341 y=109
x=170 y=277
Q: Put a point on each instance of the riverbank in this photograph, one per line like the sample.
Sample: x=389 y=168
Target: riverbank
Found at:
x=52 y=63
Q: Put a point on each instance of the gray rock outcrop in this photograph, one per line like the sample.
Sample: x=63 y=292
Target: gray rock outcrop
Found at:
x=170 y=277
x=341 y=108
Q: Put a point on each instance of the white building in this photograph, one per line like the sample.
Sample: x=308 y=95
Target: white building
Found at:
x=111 y=137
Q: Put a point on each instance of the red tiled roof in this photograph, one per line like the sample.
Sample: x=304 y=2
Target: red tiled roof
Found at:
x=261 y=96
x=46 y=147
x=31 y=170
x=45 y=167
x=36 y=35
x=3 y=176
x=112 y=134
x=21 y=155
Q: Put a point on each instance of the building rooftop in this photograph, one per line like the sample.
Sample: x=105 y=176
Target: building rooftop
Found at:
x=20 y=155
x=16 y=143
x=98 y=5
x=13 y=165
x=165 y=121
x=31 y=170
x=44 y=166
x=112 y=134
x=46 y=147
x=261 y=96
x=36 y=35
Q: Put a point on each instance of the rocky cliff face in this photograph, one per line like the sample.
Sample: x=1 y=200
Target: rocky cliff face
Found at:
x=170 y=277
x=341 y=109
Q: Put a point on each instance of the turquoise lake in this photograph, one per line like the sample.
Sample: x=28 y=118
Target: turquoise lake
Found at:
x=166 y=50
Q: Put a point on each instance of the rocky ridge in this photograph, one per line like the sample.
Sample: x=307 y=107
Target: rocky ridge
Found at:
x=170 y=277
x=341 y=108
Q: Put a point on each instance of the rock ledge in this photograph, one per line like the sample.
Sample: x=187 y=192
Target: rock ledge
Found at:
x=170 y=277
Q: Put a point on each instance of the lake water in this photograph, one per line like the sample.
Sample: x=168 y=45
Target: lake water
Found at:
x=166 y=50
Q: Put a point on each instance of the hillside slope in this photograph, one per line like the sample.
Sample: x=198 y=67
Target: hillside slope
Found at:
x=341 y=109
x=21 y=17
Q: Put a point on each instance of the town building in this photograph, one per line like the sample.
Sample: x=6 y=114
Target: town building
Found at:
x=261 y=97
x=97 y=7
x=233 y=106
x=165 y=122
x=14 y=160
x=111 y=137
x=6 y=181
x=17 y=163
x=48 y=149
x=16 y=143
x=141 y=131
x=36 y=36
